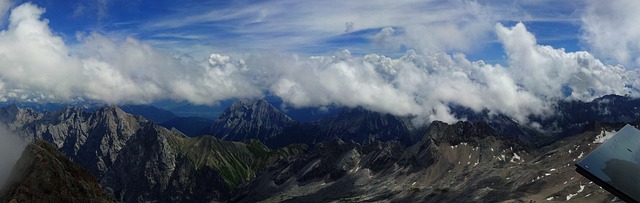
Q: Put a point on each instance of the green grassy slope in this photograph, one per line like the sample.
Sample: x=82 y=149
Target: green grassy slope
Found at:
x=236 y=162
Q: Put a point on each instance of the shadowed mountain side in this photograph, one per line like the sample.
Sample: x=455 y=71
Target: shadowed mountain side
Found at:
x=257 y=119
x=149 y=112
x=43 y=174
x=190 y=126
x=163 y=165
x=246 y=119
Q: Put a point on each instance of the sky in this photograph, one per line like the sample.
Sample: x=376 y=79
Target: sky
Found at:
x=405 y=57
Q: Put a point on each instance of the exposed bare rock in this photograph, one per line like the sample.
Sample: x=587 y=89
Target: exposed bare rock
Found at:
x=257 y=119
x=247 y=119
x=42 y=174
x=462 y=162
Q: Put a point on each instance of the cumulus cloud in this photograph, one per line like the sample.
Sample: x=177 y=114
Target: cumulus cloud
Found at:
x=610 y=29
x=38 y=65
x=544 y=70
x=428 y=84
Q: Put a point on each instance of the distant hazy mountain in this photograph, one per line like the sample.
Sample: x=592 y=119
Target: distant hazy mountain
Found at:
x=190 y=126
x=149 y=112
x=610 y=108
x=251 y=119
x=50 y=106
x=258 y=119
x=569 y=118
x=186 y=109
x=304 y=114
x=365 y=126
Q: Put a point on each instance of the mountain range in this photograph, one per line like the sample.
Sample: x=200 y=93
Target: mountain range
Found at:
x=463 y=162
x=161 y=165
x=255 y=152
x=258 y=119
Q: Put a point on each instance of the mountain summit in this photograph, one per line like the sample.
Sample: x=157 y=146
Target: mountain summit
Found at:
x=250 y=119
x=258 y=119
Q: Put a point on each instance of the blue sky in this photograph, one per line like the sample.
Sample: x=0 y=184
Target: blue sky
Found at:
x=405 y=57
x=306 y=28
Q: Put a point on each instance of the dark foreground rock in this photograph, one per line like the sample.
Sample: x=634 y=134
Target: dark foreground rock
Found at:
x=43 y=174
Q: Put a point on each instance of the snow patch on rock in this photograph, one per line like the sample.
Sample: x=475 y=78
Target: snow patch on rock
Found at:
x=604 y=136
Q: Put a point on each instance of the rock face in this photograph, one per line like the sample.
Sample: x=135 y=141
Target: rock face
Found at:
x=166 y=166
x=257 y=119
x=573 y=115
x=568 y=118
x=248 y=119
x=463 y=162
x=93 y=139
x=140 y=161
x=482 y=161
x=42 y=174
x=364 y=126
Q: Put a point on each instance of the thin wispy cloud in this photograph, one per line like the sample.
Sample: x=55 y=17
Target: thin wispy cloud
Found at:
x=287 y=25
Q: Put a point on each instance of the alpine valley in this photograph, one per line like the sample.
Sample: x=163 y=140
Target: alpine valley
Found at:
x=255 y=152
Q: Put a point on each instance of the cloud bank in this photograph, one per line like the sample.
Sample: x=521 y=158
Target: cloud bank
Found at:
x=427 y=84
x=37 y=65
x=611 y=30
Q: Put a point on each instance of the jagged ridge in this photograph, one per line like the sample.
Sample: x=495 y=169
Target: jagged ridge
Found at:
x=462 y=162
x=42 y=174
x=138 y=159
x=257 y=119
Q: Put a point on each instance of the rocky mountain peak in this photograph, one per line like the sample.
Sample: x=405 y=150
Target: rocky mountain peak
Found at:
x=250 y=119
x=462 y=131
x=254 y=109
x=112 y=110
x=365 y=126
x=13 y=116
x=67 y=113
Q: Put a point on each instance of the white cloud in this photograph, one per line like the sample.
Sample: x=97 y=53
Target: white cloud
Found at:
x=610 y=29
x=544 y=71
x=427 y=84
x=37 y=64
